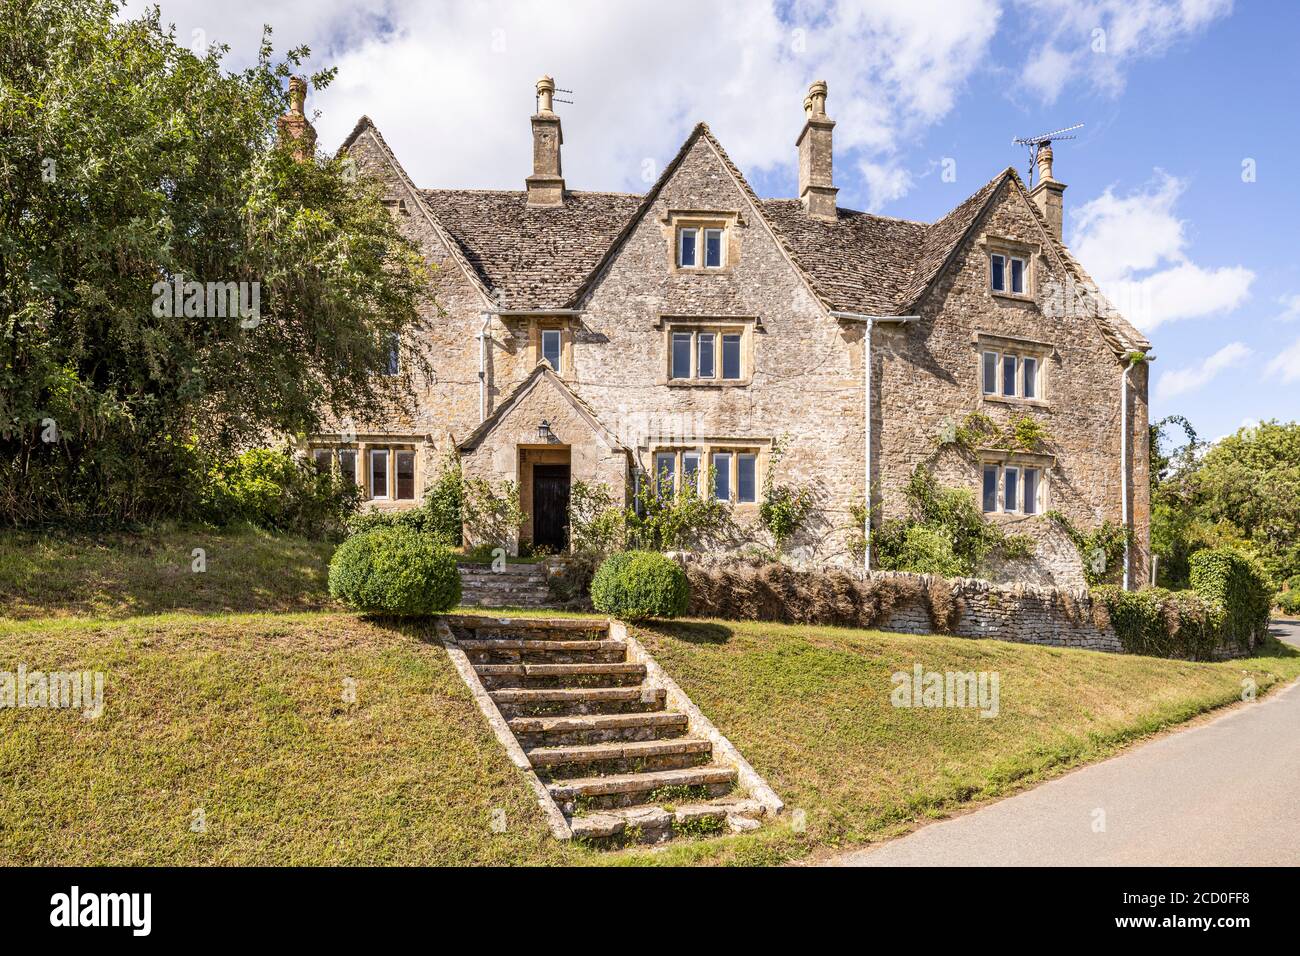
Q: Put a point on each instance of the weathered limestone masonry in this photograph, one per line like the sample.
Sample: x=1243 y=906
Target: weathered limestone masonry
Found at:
x=602 y=336
x=1024 y=614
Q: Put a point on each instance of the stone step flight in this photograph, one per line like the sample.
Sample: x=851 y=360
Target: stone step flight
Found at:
x=614 y=750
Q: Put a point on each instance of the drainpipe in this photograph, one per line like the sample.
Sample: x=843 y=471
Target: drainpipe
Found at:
x=482 y=367
x=870 y=322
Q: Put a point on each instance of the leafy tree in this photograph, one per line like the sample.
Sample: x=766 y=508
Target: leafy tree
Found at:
x=128 y=160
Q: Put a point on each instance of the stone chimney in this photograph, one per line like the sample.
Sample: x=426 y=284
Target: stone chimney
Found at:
x=816 y=189
x=294 y=126
x=546 y=184
x=1049 y=195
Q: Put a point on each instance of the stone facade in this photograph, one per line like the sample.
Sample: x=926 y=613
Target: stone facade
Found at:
x=599 y=274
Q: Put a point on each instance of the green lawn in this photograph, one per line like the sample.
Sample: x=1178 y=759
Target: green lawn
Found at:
x=243 y=716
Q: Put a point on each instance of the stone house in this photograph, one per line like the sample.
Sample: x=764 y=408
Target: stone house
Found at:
x=687 y=334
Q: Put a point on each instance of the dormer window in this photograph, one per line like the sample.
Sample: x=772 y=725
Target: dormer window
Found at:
x=700 y=248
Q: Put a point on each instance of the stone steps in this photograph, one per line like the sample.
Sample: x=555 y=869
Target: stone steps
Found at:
x=514 y=585
x=597 y=731
x=597 y=728
x=606 y=674
x=563 y=701
x=617 y=757
x=539 y=652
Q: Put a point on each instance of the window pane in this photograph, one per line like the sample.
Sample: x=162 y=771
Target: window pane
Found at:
x=746 y=478
x=998 y=271
x=665 y=469
x=731 y=356
x=713 y=248
x=990 y=487
x=1031 y=491
x=722 y=476
x=691 y=470
x=379 y=474
x=322 y=457
x=405 y=475
x=686 y=247
x=394 y=365
x=1009 y=375
x=1030 y=367
x=1017 y=275
x=348 y=467
x=681 y=355
x=704 y=362
x=551 y=347
x=1011 y=494
x=990 y=373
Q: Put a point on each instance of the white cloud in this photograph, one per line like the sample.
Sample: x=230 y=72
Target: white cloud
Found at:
x=1135 y=246
x=1095 y=40
x=1183 y=380
x=1286 y=364
x=451 y=84
x=1290 y=307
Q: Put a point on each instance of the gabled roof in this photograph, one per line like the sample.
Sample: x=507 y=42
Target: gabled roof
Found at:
x=532 y=257
x=548 y=258
x=541 y=373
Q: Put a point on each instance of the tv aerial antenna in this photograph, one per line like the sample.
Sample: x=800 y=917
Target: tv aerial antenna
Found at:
x=1035 y=143
x=537 y=100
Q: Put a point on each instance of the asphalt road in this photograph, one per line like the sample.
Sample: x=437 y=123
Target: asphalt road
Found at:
x=1223 y=793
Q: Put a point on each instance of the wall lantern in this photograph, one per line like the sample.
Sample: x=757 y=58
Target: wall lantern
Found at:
x=544 y=432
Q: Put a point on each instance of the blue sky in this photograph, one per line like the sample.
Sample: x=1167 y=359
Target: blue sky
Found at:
x=1176 y=96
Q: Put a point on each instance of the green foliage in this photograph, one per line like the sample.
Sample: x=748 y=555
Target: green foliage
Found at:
x=1101 y=549
x=1242 y=491
x=274 y=490
x=597 y=526
x=1288 y=602
x=956 y=536
x=1022 y=433
x=395 y=571
x=636 y=585
x=678 y=520
x=491 y=511
x=130 y=160
x=1239 y=584
x=785 y=508
x=1228 y=603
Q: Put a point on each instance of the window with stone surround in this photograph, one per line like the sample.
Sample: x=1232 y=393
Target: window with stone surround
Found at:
x=702 y=241
x=1012 y=370
x=550 y=340
x=726 y=471
x=388 y=468
x=1010 y=264
x=708 y=352
x=1013 y=487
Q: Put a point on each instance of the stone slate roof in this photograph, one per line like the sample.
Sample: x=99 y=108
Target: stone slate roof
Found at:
x=533 y=258
x=547 y=258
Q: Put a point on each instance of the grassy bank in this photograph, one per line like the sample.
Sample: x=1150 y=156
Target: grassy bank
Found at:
x=245 y=719
x=118 y=575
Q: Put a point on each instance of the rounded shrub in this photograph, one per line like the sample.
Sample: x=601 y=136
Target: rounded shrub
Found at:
x=395 y=571
x=640 y=584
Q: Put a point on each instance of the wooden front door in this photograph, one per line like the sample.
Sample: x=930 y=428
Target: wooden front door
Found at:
x=551 y=506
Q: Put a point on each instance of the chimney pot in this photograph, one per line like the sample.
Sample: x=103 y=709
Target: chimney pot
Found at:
x=1048 y=194
x=294 y=127
x=546 y=184
x=816 y=184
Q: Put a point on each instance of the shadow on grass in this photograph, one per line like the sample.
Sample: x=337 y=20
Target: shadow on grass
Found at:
x=692 y=632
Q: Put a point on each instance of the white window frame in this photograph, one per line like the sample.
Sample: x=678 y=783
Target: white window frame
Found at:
x=998 y=393
x=396 y=489
x=672 y=477
x=558 y=335
x=721 y=233
x=370 y=473
x=681 y=246
x=720 y=333
x=1026 y=278
x=1020 y=468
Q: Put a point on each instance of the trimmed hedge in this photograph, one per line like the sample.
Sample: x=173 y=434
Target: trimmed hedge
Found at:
x=395 y=571
x=1239 y=584
x=637 y=585
x=1228 y=604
